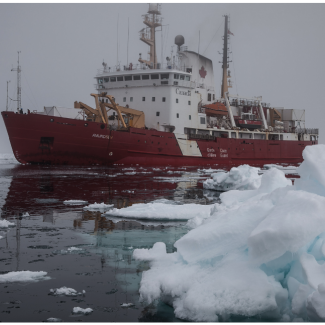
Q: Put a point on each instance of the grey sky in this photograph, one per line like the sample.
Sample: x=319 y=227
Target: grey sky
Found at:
x=277 y=50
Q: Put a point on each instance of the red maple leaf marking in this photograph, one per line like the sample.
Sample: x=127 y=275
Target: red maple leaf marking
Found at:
x=202 y=72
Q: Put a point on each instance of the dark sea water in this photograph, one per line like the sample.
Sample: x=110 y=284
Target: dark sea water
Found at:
x=103 y=265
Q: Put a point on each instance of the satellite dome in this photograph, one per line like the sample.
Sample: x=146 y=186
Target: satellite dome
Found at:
x=179 y=40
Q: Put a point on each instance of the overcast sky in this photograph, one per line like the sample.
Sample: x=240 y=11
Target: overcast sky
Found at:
x=277 y=50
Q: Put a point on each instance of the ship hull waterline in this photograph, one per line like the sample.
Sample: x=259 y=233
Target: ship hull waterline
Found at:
x=43 y=139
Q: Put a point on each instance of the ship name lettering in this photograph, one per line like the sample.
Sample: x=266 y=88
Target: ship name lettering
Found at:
x=100 y=136
x=223 y=150
x=210 y=150
x=223 y=155
x=181 y=92
x=212 y=155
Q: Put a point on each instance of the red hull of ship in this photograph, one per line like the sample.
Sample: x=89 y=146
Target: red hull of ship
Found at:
x=73 y=143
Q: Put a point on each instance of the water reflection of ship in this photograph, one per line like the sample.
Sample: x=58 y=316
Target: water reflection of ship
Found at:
x=107 y=225
x=46 y=189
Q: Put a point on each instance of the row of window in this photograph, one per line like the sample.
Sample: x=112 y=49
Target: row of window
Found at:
x=202 y=119
x=153 y=99
x=161 y=76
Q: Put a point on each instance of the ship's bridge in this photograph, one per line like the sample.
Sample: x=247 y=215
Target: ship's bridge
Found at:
x=144 y=78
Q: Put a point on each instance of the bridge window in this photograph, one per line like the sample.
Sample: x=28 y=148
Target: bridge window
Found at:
x=153 y=99
x=182 y=77
x=164 y=99
x=176 y=100
x=202 y=120
x=137 y=77
x=187 y=78
x=214 y=96
x=209 y=97
x=145 y=77
x=119 y=78
x=127 y=78
x=176 y=76
x=124 y=99
x=157 y=113
x=175 y=83
x=189 y=102
x=155 y=76
x=106 y=79
x=131 y=99
x=164 y=76
x=189 y=117
x=100 y=80
x=113 y=79
x=177 y=115
x=143 y=99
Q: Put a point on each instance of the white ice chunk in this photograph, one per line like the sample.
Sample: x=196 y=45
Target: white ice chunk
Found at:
x=316 y=303
x=5 y=223
x=64 y=291
x=161 y=211
x=98 y=206
x=158 y=250
x=78 y=310
x=287 y=227
x=24 y=276
x=127 y=304
x=75 y=202
x=70 y=249
x=238 y=178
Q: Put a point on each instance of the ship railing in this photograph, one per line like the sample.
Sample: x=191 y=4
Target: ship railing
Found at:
x=306 y=131
x=141 y=66
x=145 y=83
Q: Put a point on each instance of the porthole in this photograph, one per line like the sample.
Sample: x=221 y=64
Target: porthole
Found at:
x=86 y=124
x=102 y=126
x=51 y=120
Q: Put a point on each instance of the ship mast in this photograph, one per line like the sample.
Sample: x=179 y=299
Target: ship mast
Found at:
x=225 y=62
x=152 y=20
x=18 y=69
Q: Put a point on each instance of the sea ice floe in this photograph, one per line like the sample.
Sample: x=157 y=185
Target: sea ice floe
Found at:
x=285 y=169
x=5 y=223
x=84 y=311
x=161 y=211
x=71 y=249
x=64 y=291
x=261 y=252
x=127 y=304
x=130 y=173
x=53 y=319
x=98 y=206
x=75 y=202
x=24 y=276
x=238 y=178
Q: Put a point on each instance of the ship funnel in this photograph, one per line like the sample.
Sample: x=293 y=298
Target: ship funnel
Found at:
x=179 y=41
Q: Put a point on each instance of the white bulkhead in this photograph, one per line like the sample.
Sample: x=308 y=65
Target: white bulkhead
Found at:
x=170 y=98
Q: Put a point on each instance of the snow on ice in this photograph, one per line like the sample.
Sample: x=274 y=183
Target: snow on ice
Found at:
x=65 y=291
x=75 y=202
x=127 y=304
x=78 y=310
x=261 y=252
x=238 y=178
x=98 y=206
x=23 y=276
x=5 y=223
x=162 y=210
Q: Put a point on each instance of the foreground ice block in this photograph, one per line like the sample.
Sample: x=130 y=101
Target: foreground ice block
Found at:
x=261 y=252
